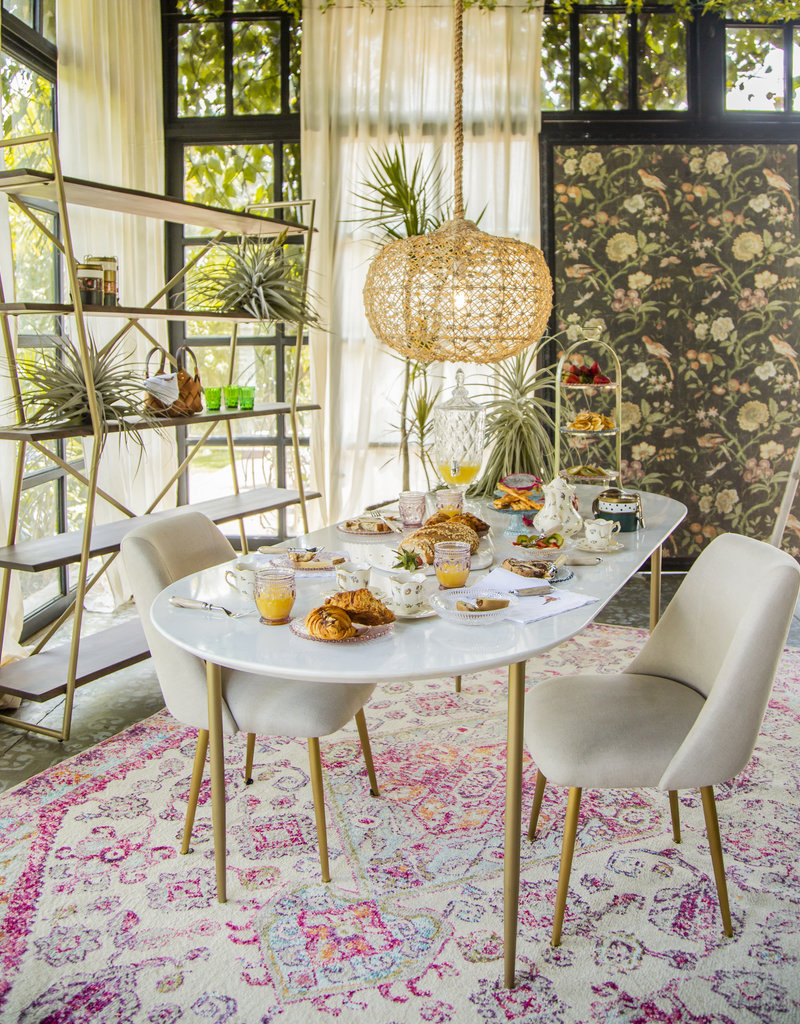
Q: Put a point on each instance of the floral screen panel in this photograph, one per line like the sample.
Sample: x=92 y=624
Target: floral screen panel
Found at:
x=687 y=257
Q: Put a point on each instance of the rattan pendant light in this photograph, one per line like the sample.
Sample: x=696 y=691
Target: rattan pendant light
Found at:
x=458 y=294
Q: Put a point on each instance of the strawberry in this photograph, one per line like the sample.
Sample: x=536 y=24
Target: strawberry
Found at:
x=572 y=378
x=594 y=369
x=600 y=379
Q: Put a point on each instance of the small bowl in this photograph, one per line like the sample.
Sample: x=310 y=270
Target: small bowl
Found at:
x=444 y=604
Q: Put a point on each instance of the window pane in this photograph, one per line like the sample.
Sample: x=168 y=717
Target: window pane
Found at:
x=201 y=74
x=255 y=366
x=257 y=67
x=27 y=110
x=754 y=68
x=22 y=9
x=295 y=48
x=555 y=64
x=37 y=518
x=200 y=7
x=662 y=62
x=34 y=258
x=49 y=20
x=796 y=68
x=604 y=62
x=228 y=176
x=292 y=188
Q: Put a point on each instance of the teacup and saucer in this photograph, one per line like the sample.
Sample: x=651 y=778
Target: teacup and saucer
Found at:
x=599 y=535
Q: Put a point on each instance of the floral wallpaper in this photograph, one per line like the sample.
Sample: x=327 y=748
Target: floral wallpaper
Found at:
x=687 y=259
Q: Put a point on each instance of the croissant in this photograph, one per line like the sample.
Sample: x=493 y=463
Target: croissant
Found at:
x=330 y=623
x=362 y=607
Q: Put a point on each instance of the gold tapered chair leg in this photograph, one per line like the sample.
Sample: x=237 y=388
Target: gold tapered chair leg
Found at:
x=366 y=750
x=315 y=761
x=675 y=812
x=194 y=789
x=712 y=828
x=248 y=759
x=538 y=793
x=567 y=850
x=458 y=684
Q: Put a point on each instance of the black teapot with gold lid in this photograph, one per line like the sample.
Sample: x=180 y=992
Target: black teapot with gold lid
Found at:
x=623 y=507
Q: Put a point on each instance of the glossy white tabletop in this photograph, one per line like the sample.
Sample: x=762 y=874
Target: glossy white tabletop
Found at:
x=415 y=649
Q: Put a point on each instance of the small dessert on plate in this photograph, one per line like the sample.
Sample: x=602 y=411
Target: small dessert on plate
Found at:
x=362 y=607
x=539 y=570
x=330 y=623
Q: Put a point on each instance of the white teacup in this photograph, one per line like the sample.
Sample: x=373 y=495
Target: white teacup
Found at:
x=599 y=532
x=407 y=590
x=242 y=576
x=352 y=575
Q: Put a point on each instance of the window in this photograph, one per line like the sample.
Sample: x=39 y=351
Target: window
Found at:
x=232 y=95
x=762 y=67
x=601 y=58
x=51 y=501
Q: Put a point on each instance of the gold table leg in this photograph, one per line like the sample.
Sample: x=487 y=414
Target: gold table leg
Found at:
x=655 y=588
x=217 y=758
x=516 y=708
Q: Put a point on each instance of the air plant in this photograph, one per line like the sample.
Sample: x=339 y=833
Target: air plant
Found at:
x=55 y=391
x=256 y=276
x=519 y=423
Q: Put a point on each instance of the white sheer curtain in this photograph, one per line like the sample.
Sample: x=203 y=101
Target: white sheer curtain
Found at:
x=110 y=117
x=370 y=78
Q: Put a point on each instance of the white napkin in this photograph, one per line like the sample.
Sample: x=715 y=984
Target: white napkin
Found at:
x=164 y=387
x=531 y=609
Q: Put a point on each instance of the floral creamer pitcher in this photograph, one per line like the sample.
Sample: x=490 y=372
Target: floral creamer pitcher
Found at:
x=558 y=515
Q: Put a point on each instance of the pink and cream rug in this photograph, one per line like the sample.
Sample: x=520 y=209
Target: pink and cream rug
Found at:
x=101 y=920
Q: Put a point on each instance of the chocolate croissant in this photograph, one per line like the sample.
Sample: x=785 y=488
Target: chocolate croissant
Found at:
x=362 y=607
x=330 y=623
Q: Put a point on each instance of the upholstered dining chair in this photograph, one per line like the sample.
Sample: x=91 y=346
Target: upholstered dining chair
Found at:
x=686 y=712
x=164 y=550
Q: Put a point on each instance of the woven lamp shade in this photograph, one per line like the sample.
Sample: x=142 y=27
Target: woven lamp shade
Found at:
x=458 y=294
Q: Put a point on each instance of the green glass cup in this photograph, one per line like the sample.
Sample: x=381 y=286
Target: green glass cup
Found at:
x=247 y=397
x=231 y=396
x=213 y=398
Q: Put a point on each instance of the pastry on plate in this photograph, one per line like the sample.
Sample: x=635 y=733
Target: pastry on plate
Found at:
x=422 y=541
x=532 y=570
x=367 y=524
x=362 y=607
x=478 y=525
x=330 y=623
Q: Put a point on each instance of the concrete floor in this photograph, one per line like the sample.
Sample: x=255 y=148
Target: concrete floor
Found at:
x=105 y=707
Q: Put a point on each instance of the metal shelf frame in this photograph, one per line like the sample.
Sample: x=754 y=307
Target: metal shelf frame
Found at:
x=21 y=185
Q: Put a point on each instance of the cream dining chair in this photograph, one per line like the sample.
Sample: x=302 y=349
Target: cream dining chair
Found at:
x=686 y=712
x=166 y=549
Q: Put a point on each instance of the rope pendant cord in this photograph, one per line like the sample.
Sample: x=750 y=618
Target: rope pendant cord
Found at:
x=458 y=110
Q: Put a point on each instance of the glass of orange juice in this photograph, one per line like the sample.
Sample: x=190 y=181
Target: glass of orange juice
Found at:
x=451 y=560
x=274 y=593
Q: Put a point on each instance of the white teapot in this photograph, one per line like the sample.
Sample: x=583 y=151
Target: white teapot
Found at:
x=558 y=515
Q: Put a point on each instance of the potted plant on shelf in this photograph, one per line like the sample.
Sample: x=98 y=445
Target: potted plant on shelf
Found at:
x=55 y=391
x=258 y=277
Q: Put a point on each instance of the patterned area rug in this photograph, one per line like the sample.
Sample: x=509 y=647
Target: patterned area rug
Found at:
x=101 y=920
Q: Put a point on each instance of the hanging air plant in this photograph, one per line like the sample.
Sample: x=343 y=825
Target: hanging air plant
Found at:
x=257 y=277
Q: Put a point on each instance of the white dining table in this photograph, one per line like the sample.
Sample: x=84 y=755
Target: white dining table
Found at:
x=415 y=649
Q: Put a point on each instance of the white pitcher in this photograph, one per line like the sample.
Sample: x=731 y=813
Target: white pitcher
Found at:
x=558 y=515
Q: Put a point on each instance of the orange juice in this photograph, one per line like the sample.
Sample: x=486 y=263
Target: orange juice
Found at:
x=450 y=575
x=275 y=607
x=467 y=472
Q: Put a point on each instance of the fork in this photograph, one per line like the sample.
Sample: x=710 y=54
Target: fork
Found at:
x=191 y=602
x=374 y=514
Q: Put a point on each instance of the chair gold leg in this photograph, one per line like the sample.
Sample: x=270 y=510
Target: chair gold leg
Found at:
x=712 y=828
x=248 y=759
x=317 y=791
x=675 y=812
x=567 y=850
x=194 y=789
x=366 y=750
x=217 y=758
x=458 y=684
x=538 y=793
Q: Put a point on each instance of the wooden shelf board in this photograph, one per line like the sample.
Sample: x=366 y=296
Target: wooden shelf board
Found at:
x=122 y=312
x=33 y=184
x=51 y=433
x=43 y=676
x=65 y=548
